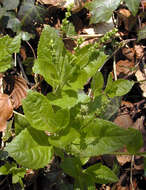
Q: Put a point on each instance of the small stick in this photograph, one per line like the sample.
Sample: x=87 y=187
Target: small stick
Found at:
x=17 y=113
x=31 y=49
x=114 y=68
x=131 y=180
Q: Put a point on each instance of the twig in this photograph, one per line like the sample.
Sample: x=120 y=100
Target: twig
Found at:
x=15 y=59
x=128 y=153
x=1 y=84
x=22 y=70
x=131 y=168
x=114 y=68
x=3 y=180
x=31 y=49
x=17 y=113
x=3 y=143
x=87 y=36
x=1 y=91
x=35 y=57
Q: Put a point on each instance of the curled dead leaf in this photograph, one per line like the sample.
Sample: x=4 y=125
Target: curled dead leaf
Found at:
x=141 y=77
x=6 y=110
x=143 y=3
x=126 y=18
x=19 y=92
x=139 y=51
x=78 y=5
x=123 y=159
x=128 y=53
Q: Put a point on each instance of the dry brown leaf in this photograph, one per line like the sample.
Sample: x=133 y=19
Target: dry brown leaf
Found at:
x=123 y=159
x=141 y=76
x=23 y=53
x=139 y=51
x=78 y=5
x=124 y=67
x=143 y=3
x=128 y=53
x=124 y=120
x=19 y=92
x=6 y=110
x=125 y=17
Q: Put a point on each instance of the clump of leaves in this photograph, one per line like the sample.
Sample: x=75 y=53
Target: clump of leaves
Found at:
x=102 y=10
x=20 y=15
x=68 y=120
x=17 y=173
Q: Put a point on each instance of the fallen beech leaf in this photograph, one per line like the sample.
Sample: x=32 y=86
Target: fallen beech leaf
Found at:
x=125 y=17
x=143 y=3
x=123 y=159
x=124 y=120
x=124 y=67
x=128 y=53
x=23 y=53
x=6 y=110
x=141 y=76
x=19 y=92
x=139 y=51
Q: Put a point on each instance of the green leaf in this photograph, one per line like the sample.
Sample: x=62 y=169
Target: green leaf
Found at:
x=29 y=13
x=38 y=111
x=96 y=64
x=83 y=55
x=97 y=83
x=80 y=80
x=8 y=46
x=64 y=139
x=20 y=123
x=136 y=141
x=88 y=71
x=14 y=24
x=4 y=170
x=101 y=174
x=69 y=30
x=72 y=166
x=3 y=155
x=102 y=137
x=17 y=175
x=61 y=119
x=97 y=104
x=5 y=57
x=64 y=99
x=142 y=33
x=28 y=152
x=14 y=45
x=84 y=182
x=50 y=52
x=40 y=114
x=133 y=6
x=119 y=87
x=10 y=5
x=102 y=10
x=109 y=83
